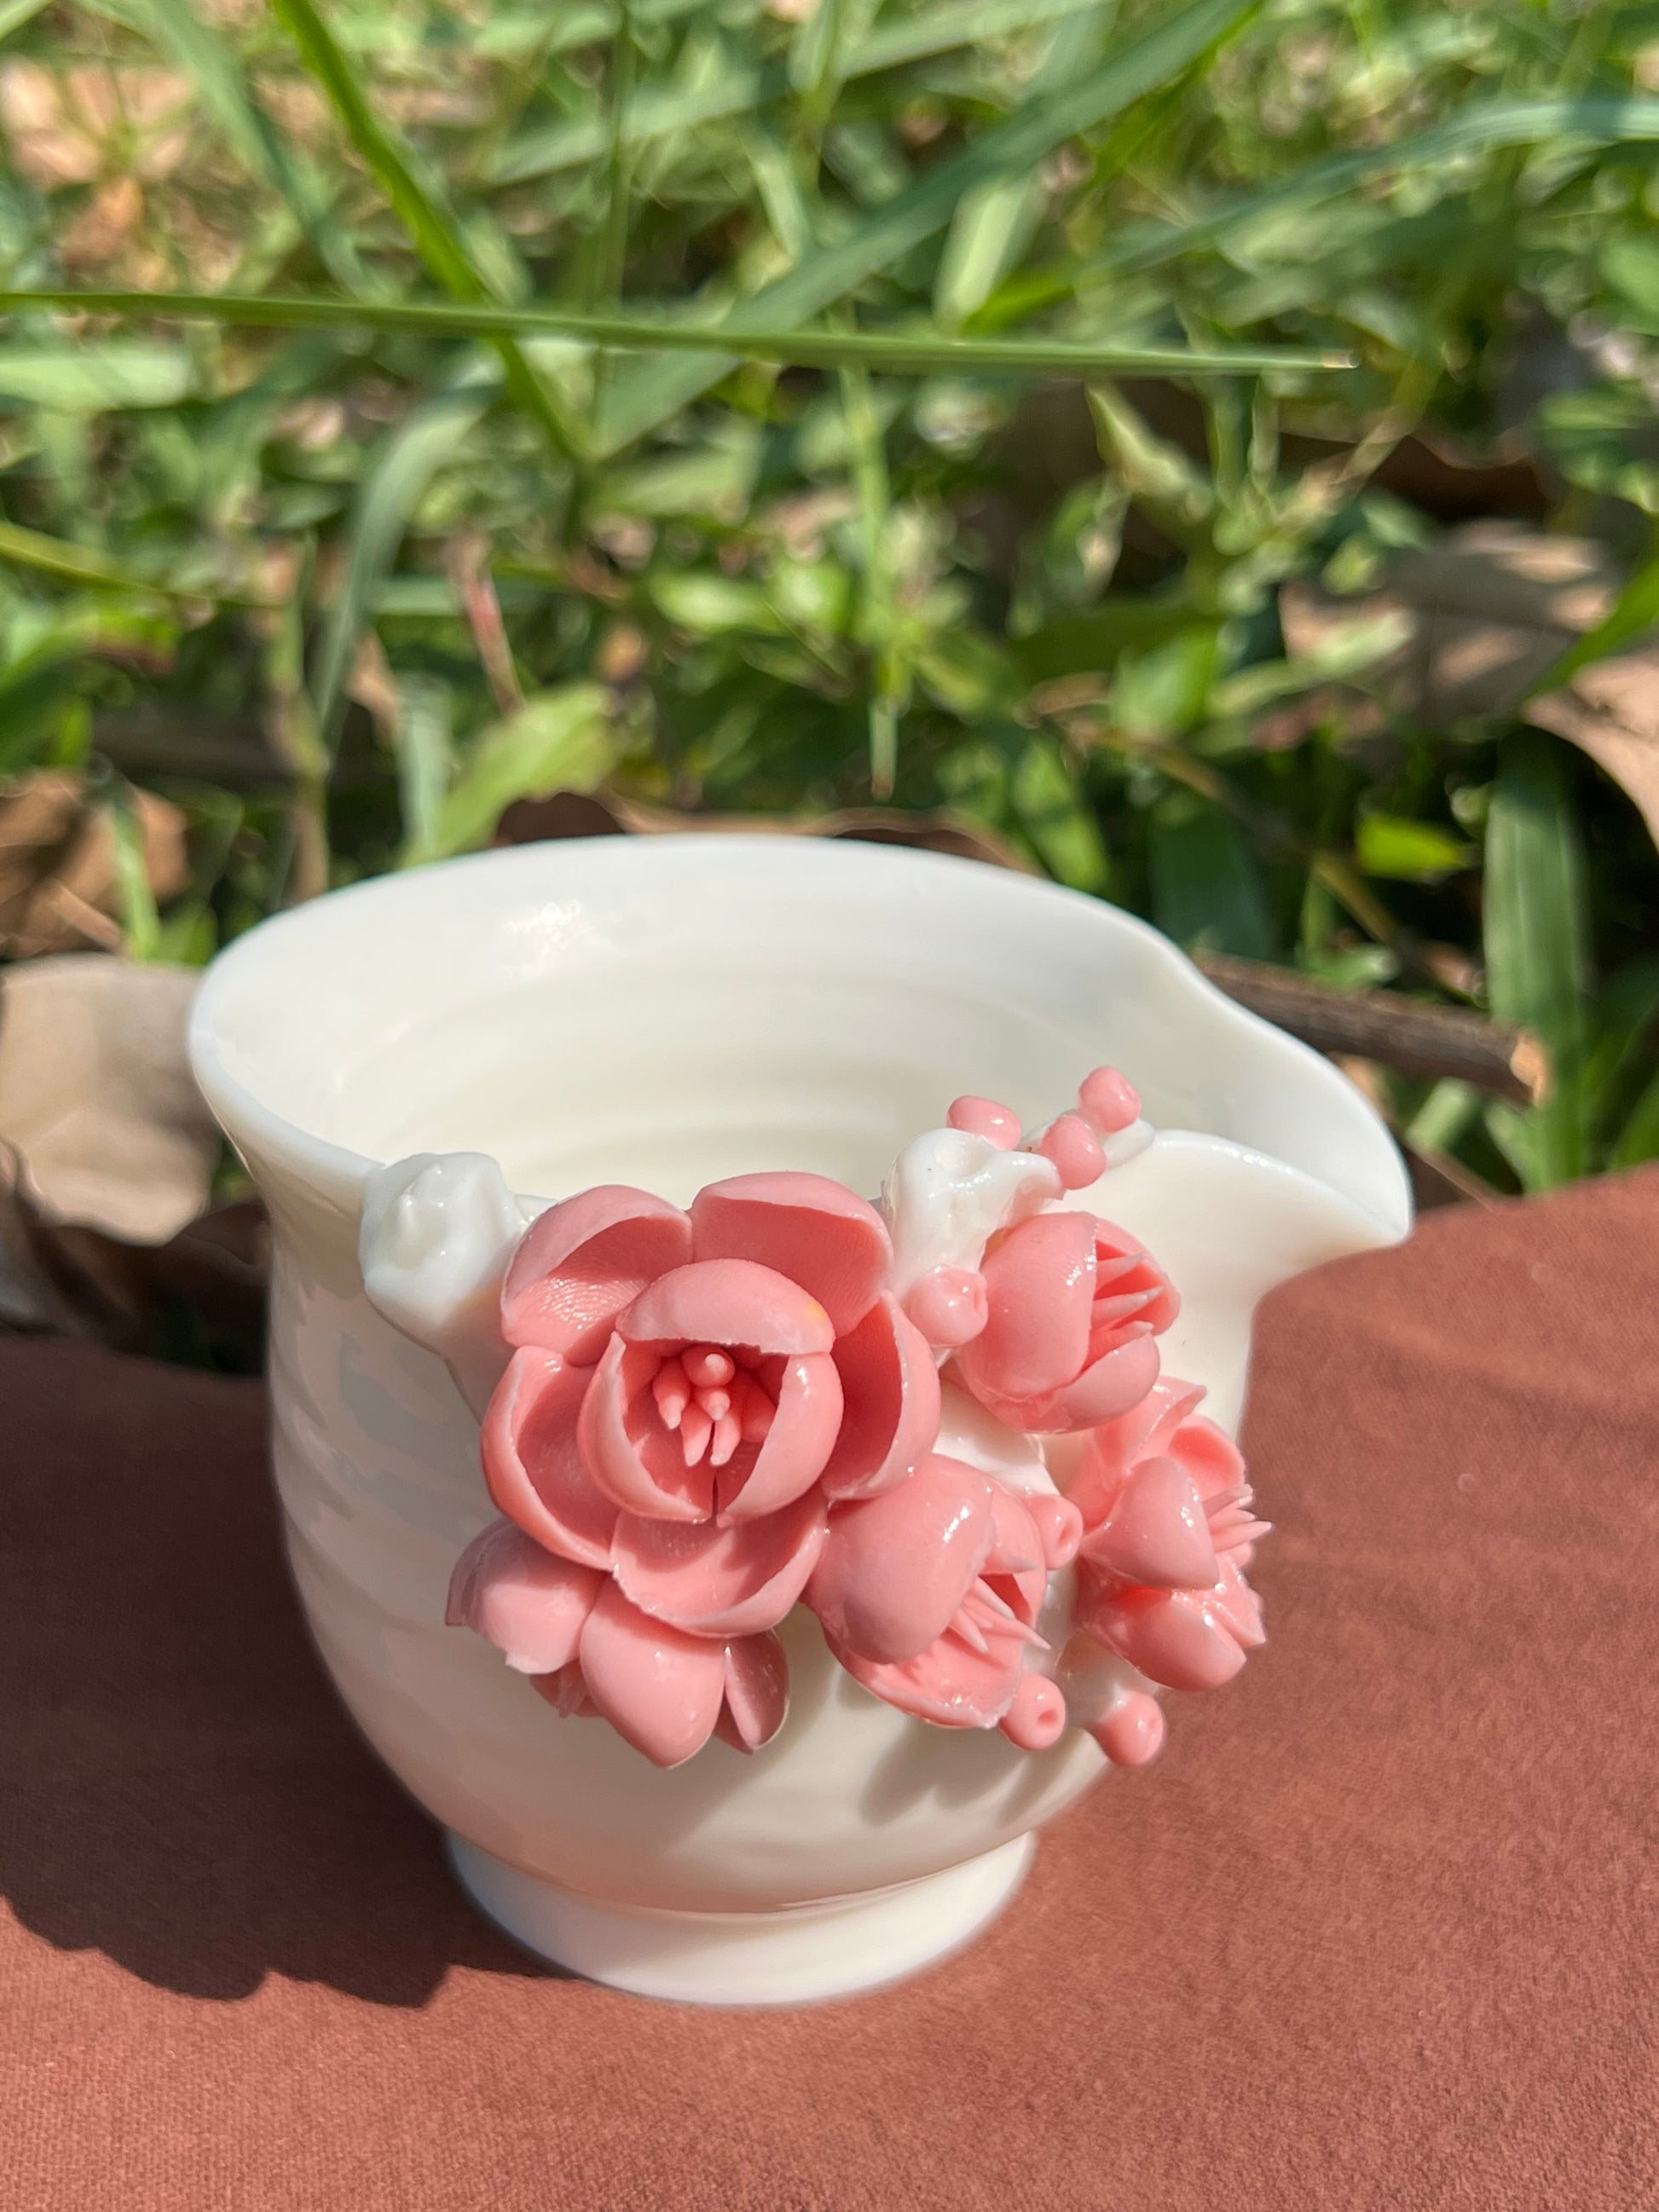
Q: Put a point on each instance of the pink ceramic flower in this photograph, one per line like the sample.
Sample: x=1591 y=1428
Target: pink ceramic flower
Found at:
x=589 y=1650
x=689 y=1396
x=1168 y=1531
x=1072 y=1307
x=928 y=1595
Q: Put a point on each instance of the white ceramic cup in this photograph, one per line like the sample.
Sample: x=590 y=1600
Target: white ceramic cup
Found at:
x=665 y=1011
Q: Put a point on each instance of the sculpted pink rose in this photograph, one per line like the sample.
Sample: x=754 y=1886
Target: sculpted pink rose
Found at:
x=1072 y=1305
x=1167 y=1533
x=708 y=1417
x=689 y=1395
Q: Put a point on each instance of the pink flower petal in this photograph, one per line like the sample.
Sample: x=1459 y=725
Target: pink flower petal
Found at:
x=567 y=1692
x=890 y=1386
x=1158 y=1533
x=894 y=1568
x=530 y=1605
x=580 y=1263
x=1237 y=1606
x=815 y=1232
x=714 y=1580
x=531 y=1462
x=1040 y=1284
x=659 y=1688
x=1173 y=1636
x=950 y=1683
x=1144 y=1431
x=1124 y=1268
x=728 y=1302
x=636 y=1461
x=792 y=1455
x=1059 y=1526
x=757 y=1692
x=1108 y=1388
x=1209 y=1455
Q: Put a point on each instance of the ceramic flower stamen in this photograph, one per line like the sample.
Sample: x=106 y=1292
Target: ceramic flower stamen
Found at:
x=710 y=1416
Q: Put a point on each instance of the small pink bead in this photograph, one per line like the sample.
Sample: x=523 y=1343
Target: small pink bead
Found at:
x=949 y=1306
x=1108 y=1100
x=1132 y=1734
x=1060 y=1527
x=1038 y=1717
x=1073 y=1147
x=983 y=1117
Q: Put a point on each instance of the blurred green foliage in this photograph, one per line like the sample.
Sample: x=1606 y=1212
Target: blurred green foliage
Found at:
x=346 y=591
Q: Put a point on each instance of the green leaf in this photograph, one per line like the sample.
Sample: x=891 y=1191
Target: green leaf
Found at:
x=1535 y=940
x=649 y=396
x=1626 y=1016
x=403 y=465
x=1207 y=890
x=558 y=740
x=16 y=13
x=997 y=219
x=1639 y=1140
x=139 y=920
x=709 y=606
x=1163 y=690
x=1482 y=127
x=426 y=760
x=1406 y=851
x=94 y=379
x=899 y=353
x=657 y=111
x=1048 y=804
x=418 y=199
x=83 y=564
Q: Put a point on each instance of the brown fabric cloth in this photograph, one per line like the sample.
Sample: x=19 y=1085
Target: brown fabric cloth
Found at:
x=1376 y=1932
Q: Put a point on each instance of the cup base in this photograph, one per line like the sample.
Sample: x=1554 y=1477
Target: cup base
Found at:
x=792 y=1956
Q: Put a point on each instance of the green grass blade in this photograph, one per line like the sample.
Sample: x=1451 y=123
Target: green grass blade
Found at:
x=1535 y=931
x=403 y=466
x=426 y=760
x=559 y=740
x=82 y=564
x=657 y=111
x=1482 y=128
x=16 y=13
x=898 y=353
x=416 y=197
x=1639 y=1140
x=96 y=378
x=649 y=396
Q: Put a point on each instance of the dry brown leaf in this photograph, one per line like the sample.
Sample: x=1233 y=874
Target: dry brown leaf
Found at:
x=1491 y=607
x=96 y=1100
x=58 y=887
x=1611 y=711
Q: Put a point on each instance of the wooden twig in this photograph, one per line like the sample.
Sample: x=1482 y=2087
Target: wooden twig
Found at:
x=1410 y=1035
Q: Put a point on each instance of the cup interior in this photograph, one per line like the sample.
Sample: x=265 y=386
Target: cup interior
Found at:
x=665 y=1011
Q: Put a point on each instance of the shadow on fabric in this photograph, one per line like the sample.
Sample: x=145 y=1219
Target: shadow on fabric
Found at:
x=184 y=1791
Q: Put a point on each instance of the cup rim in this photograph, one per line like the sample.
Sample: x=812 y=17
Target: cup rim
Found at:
x=339 y=1171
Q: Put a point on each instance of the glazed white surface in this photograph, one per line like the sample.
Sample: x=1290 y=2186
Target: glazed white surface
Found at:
x=664 y=1012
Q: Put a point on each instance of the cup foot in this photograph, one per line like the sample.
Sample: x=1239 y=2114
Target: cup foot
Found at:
x=792 y=1956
